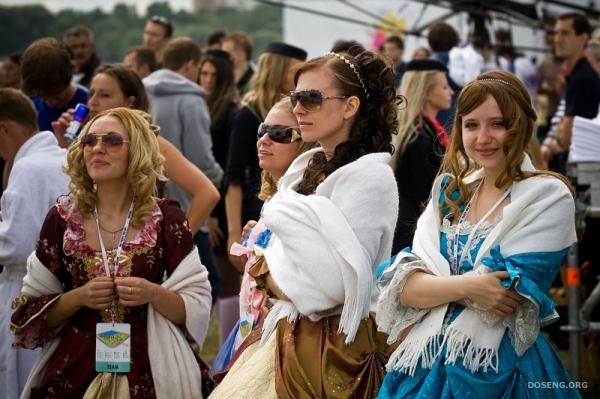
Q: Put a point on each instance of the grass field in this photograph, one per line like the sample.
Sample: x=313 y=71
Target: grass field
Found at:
x=211 y=344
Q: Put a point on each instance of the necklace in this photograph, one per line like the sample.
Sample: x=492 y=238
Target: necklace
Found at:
x=112 y=233
x=476 y=201
x=118 y=252
x=108 y=231
x=457 y=260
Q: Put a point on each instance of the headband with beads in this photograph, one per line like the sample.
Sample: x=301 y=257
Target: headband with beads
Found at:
x=495 y=80
x=354 y=69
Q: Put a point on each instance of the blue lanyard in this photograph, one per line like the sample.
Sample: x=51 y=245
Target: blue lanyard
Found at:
x=121 y=240
x=117 y=255
x=455 y=259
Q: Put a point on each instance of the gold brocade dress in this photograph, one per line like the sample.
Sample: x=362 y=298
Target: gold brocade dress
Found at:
x=306 y=359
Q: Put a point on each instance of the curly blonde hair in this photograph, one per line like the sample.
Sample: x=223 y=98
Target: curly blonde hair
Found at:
x=519 y=118
x=145 y=164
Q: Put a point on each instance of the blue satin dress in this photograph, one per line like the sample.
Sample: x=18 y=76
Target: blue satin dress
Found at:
x=539 y=373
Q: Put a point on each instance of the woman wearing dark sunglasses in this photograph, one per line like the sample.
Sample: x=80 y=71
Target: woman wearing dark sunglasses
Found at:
x=279 y=143
x=99 y=269
x=272 y=79
x=332 y=223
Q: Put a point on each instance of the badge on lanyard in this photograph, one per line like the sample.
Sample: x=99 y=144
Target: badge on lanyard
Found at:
x=113 y=347
x=113 y=340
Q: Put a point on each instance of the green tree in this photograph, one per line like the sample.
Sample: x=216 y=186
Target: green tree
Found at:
x=122 y=28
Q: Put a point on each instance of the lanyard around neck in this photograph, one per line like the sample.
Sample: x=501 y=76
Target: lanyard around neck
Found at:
x=456 y=262
x=121 y=240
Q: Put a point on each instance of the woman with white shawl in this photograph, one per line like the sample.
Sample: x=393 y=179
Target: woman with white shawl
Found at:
x=115 y=291
x=469 y=300
x=332 y=221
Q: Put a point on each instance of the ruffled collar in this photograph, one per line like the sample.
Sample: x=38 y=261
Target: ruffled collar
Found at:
x=74 y=235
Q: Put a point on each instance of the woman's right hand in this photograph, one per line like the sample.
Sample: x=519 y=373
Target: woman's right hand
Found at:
x=249 y=225
x=215 y=234
x=61 y=125
x=97 y=293
x=487 y=292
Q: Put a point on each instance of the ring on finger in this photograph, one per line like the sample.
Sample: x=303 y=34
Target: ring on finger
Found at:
x=130 y=290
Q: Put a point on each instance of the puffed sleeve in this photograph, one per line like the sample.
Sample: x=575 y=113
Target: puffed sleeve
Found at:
x=178 y=240
x=29 y=320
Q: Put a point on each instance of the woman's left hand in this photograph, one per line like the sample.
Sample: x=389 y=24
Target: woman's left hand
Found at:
x=135 y=291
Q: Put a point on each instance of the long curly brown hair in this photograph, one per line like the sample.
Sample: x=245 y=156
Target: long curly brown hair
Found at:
x=519 y=118
x=145 y=165
x=375 y=121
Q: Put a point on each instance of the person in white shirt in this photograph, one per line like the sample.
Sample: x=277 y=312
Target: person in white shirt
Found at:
x=34 y=163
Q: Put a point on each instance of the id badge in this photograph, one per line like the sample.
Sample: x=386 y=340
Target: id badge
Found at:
x=113 y=347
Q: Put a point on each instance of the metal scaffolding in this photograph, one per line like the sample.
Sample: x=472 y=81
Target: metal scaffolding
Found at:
x=586 y=175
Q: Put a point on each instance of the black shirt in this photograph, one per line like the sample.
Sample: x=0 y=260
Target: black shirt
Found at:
x=244 y=84
x=88 y=70
x=242 y=163
x=220 y=131
x=416 y=169
x=583 y=91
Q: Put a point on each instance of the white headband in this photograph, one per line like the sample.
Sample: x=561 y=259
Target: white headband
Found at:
x=354 y=69
x=495 y=80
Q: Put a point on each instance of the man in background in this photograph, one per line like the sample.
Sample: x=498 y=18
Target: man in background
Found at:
x=239 y=46
x=393 y=50
x=582 y=98
x=80 y=43
x=157 y=34
x=215 y=40
x=141 y=59
x=46 y=74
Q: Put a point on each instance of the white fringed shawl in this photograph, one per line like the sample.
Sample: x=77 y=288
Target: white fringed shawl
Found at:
x=325 y=246
x=175 y=372
x=539 y=218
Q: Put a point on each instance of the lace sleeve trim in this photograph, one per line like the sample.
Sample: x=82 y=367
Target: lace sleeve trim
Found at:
x=393 y=317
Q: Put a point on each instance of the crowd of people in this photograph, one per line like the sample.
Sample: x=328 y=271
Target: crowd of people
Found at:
x=363 y=226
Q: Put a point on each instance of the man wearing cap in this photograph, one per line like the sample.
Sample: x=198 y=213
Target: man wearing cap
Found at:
x=157 y=33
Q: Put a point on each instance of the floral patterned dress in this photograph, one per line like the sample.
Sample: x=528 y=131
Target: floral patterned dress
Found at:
x=157 y=249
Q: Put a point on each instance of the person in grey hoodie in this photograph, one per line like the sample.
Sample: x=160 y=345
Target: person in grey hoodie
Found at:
x=178 y=106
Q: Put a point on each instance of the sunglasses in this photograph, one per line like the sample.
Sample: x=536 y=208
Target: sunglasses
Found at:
x=160 y=20
x=279 y=133
x=311 y=100
x=110 y=140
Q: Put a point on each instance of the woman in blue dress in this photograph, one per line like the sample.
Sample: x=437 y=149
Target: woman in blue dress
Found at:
x=469 y=299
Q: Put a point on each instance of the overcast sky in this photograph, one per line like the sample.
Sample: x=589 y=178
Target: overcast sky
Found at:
x=107 y=5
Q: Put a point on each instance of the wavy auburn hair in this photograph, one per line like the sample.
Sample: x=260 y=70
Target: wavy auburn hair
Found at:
x=375 y=121
x=518 y=116
x=145 y=165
